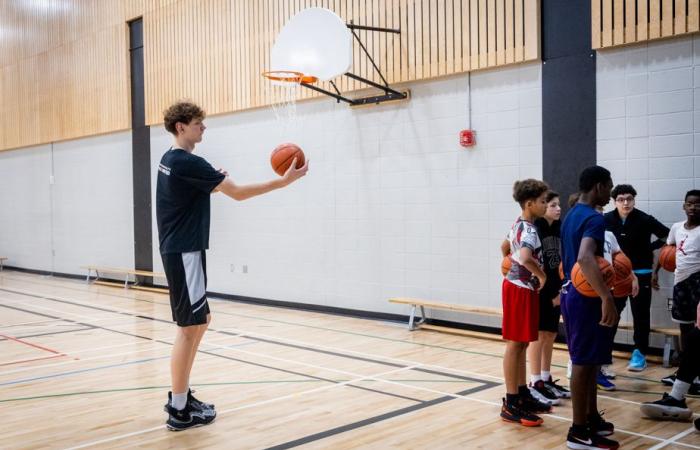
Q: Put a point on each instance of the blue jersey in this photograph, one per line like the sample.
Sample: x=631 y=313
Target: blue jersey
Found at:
x=581 y=221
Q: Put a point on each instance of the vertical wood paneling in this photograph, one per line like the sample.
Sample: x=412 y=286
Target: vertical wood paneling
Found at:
x=643 y=20
x=65 y=74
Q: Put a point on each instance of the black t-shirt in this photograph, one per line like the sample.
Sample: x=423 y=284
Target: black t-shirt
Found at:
x=185 y=182
x=634 y=236
x=550 y=236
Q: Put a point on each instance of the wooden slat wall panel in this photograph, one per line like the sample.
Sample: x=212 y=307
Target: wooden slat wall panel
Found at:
x=65 y=72
x=620 y=22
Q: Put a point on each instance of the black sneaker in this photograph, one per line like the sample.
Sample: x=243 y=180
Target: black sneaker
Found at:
x=541 y=392
x=599 y=426
x=206 y=408
x=179 y=420
x=668 y=380
x=588 y=440
x=668 y=408
x=559 y=391
x=515 y=414
x=694 y=390
x=198 y=403
x=531 y=404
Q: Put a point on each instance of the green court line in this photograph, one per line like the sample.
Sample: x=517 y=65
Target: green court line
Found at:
x=402 y=341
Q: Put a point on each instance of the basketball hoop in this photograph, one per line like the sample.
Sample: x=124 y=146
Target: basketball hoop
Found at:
x=289 y=76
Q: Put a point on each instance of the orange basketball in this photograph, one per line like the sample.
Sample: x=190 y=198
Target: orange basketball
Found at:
x=283 y=155
x=622 y=266
x=623 y=287
x=667 y=257
x=581 y=284
x=506 y=264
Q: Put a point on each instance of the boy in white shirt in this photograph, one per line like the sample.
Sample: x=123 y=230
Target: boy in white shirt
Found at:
x=685 y=236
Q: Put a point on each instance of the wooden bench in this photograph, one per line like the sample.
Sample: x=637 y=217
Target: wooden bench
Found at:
x=126 y=273
x=671 y=335
x=2 y=259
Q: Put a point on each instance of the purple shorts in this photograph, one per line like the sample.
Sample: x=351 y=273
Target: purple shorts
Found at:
x=590 y=344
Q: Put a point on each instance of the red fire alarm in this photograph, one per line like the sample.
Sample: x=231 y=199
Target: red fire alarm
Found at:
x=467 y=138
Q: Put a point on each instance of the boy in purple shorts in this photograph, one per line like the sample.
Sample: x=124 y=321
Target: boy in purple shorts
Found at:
x=588 y=320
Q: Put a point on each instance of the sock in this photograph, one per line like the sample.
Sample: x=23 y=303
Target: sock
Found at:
x=523 y=391
x=534 y=379
x=680 y=388
x=179 y=401
x=546 y=375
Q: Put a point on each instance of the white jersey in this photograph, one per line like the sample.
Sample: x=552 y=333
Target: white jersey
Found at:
x=687 y=244
x=611 y=246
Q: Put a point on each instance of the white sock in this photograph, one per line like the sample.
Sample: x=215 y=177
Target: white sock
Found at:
x=179 y=401
x=680 y=388
x=546 y=375
x=534 y=379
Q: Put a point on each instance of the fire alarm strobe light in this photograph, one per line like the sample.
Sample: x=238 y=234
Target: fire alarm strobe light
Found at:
x=467 y=138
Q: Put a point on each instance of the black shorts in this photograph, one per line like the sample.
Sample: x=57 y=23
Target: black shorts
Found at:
x=187 y=282
x=685 y=299
x=549 y=314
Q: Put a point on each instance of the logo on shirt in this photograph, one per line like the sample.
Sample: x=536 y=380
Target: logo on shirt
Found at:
x=681 y=245
x=164 y=169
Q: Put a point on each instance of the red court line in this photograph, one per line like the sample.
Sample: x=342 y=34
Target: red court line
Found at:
x=31 y=345
x=31 y=359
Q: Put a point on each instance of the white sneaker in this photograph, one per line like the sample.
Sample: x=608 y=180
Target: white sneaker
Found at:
x=568 y=370
x=608 y=371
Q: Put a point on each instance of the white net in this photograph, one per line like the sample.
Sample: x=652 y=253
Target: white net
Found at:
x=283 y=97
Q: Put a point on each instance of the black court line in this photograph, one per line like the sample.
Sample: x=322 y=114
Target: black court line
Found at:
x=51 y=333
x=201 y=351
x=485 y=384
x=376 y=419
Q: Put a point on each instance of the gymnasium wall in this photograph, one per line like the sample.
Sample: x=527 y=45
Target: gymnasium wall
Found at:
x=392 y=205
x=68 y=205
x=648 y=123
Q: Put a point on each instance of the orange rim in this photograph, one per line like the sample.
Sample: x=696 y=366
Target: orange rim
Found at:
x=289 y=76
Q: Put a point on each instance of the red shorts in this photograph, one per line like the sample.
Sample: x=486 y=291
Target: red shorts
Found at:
x=521 y=313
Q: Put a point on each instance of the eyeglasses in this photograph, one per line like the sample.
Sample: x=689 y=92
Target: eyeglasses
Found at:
x=624 y=199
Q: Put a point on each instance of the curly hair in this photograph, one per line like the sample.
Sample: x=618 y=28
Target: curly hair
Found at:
x=529 y=189
x=623 y=189
x=183 y=111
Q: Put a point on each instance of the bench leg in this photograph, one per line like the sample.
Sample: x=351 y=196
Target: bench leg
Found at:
x=667 y=351
x=411 y=318
x=126 y=281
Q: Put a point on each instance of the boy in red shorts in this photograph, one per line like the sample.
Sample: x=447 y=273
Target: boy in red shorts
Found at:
x=521 y=302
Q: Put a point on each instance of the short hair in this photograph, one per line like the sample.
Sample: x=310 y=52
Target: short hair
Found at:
x=183 y=111
x=590 y=176
x=692 y=193
x=622 y=189
x=551 y=195
x=529 y=189
x=573 y=199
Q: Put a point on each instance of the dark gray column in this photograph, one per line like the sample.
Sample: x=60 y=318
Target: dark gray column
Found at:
x=568 y=93
x=141 y=154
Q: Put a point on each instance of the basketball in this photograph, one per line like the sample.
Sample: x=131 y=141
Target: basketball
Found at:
x=283 y=155
x=581 y=284
x=623 y=287
x=622 y=266
x=506 y=264
x=667 y=257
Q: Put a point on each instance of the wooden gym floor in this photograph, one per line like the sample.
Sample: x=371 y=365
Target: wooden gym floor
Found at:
x=85 y=366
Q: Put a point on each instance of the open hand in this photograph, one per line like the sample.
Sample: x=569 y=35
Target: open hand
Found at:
x=292 y=174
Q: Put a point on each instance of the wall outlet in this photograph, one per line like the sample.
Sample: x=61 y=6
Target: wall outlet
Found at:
x=244 y=268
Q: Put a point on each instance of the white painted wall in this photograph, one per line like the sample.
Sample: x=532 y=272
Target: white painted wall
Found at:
x=392 y=205
x=25 y=207
x=84 y=217
x=648 y=119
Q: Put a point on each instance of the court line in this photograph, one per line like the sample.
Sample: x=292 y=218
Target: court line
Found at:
x=239 y=408
x=650 y=437
x=30 y=344
x=28 y=323
x=672 y=440
x=19 y=361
